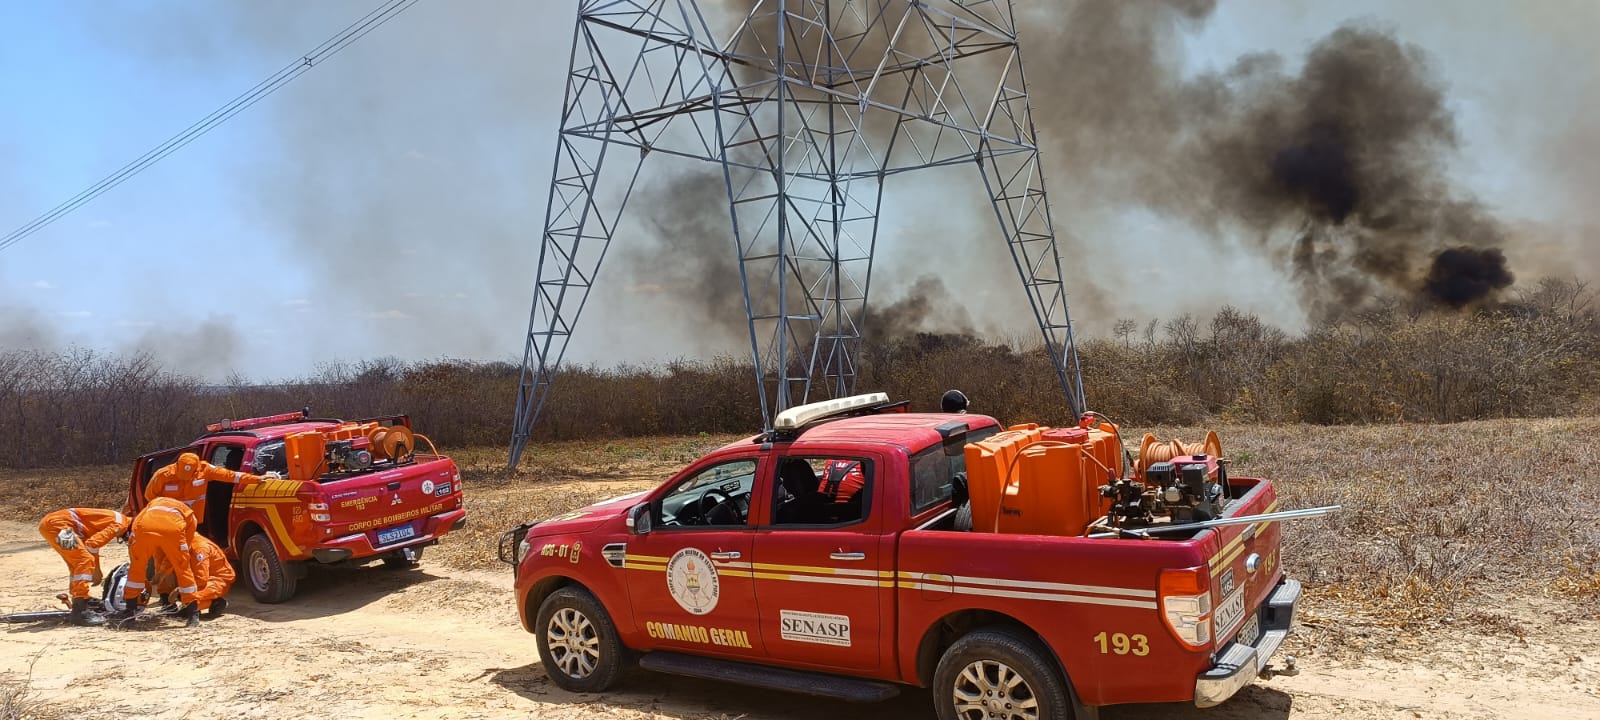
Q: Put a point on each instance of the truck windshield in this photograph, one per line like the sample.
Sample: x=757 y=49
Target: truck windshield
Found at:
x=934 y=469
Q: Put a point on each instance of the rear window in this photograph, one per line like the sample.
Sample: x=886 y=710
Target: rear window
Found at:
x=933 y=470
x=270 y=457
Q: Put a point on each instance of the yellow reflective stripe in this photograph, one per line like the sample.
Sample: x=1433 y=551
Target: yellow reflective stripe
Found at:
x=269 y=489
x=862 y=582
x=1240 y=539
x=1224 y=559
x=283 y=532
x=816 y=569
x=1218 y=566
x=647 y=558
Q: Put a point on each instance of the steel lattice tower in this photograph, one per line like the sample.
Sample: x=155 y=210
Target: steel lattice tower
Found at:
x=807 y=107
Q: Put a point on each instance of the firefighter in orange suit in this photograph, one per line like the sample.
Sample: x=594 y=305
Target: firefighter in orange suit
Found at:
x=185 y=481
x=77 y=534
x=213 y=575
x=164 y=529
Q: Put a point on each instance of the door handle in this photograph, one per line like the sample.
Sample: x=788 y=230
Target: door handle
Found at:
x=848 y=556
x=724 y=556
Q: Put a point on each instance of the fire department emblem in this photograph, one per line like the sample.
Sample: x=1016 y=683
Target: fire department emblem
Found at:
x=692 y=581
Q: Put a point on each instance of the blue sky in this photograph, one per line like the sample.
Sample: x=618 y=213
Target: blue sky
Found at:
x=388 y=202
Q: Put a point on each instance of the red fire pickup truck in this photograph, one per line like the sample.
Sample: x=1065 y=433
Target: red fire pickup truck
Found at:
x=841 y=555
x=350 y=492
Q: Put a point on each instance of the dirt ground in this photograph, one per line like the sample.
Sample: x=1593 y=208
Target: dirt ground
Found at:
x=440 y=643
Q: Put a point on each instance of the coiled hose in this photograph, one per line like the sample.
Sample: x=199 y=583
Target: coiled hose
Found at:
x=1152 y=451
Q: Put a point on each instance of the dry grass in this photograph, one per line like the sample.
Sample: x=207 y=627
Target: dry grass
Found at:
x=26 y=495
x=1438 y=521
x=19 y=701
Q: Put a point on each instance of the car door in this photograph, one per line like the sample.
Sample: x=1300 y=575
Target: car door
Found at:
x=145 y=467
x=227 y=453
x=689 y=577
x=818 y=565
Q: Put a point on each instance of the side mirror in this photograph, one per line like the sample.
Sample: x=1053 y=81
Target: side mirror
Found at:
x=639 y=519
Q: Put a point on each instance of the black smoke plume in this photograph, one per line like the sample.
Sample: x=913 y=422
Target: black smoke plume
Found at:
x=1338 y=171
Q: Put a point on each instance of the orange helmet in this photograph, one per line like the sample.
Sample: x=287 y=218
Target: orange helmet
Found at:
x=188 y=465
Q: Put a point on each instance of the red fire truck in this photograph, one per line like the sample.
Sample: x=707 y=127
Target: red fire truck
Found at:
x=1019 y=572
x=349 y=492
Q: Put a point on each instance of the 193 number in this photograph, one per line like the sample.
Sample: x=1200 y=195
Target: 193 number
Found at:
x=1120 y=644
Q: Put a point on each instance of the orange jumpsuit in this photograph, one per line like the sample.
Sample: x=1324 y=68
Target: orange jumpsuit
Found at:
x=164 y=529
x=213 y=575
x=185 y=481
x=841 y=480
x=94 y=528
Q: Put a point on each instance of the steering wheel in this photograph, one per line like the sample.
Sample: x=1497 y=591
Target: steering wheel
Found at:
x=706 y=510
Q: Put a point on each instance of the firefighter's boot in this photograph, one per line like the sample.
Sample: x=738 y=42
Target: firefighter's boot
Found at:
x=217 y=607
x=82 y=616
x=190 y=614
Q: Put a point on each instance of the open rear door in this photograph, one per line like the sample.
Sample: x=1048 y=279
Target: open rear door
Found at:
x=147 y=466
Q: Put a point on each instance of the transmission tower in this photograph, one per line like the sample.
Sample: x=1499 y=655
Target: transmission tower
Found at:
x=806 y=107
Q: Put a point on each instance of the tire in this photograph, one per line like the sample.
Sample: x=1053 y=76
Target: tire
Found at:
x=270 y=580
x=593 y=661
x=963 y=521
x=984 y=661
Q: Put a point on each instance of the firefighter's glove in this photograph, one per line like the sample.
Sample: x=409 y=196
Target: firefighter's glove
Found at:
x=67 y=539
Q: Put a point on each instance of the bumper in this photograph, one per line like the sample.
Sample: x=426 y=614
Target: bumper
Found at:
x=359 y=545
x=1238 y=663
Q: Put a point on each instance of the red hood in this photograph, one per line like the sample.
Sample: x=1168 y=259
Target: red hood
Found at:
x=588 y=518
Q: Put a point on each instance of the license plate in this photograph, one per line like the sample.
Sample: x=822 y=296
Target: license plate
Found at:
x=1250 y=632
x=1230 y=613
x=394 y=535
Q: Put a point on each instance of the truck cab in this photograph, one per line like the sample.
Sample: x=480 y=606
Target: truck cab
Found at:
x=387 y=507
x=837 y=556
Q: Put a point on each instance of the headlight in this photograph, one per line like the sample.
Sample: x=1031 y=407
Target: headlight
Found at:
x=522 y=550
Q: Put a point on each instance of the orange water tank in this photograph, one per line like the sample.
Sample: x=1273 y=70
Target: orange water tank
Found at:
x=1048 y=496
x=305 y=454
x=990 y=469
x=1106 y=453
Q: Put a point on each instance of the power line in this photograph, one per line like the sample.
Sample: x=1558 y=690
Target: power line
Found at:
x=330 y=47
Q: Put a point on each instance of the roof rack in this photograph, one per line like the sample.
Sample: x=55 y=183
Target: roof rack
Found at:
x=790 y=423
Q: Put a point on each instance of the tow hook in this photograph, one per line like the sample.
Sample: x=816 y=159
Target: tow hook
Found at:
x=1288 y=669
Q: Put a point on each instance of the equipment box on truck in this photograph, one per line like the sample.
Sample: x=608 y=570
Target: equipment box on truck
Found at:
x=1019 y=573
x=349 y=492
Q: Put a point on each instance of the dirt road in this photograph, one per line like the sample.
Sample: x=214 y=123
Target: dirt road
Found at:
x=436 y=643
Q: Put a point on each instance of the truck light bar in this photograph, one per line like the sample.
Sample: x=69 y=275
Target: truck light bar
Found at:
x=799 y=415
x=256 y=422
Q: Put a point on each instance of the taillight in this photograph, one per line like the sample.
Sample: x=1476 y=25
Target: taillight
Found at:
x=1186 y=605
